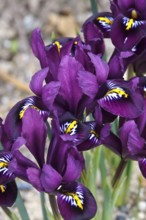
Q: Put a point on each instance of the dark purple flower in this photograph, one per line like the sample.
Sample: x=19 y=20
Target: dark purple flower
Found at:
x=129 y=25
x=63 y=165
x=8 y=188
x=15 y=115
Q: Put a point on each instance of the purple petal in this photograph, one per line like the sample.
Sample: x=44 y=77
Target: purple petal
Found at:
x=77 y=203
x=20 y=164
x=122 y=100
x=33 y=175
x=38 y=47
x=37 y=80
x=74 y=166
x=101 y=68
x=34 y=131
x=8 y=194
x=131 y=140
x=50 y=178
x=88 y=83
x=67 y=75
x=49 y=93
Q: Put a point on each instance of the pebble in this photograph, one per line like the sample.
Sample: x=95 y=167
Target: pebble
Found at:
x=142 y=206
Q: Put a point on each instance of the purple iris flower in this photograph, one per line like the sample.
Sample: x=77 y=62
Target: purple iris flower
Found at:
x=118 y=97
x=8 y=188
x=58 y=174
x=125 y=24
x=129 y=26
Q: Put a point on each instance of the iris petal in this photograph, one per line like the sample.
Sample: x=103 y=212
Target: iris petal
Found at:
x=77 y=203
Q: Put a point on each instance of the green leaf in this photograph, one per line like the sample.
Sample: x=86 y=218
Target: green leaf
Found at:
x=10 y=214
x=43 y=205
x=93 y=6
x=21 y=207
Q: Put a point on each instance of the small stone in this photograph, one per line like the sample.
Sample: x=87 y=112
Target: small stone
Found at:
x=142 y=205
x=141 y=216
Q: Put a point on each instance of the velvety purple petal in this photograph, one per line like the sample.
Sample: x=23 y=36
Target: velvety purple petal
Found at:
x=50 y=178
x=88 y=83
x=38 y=47
x=131 y=140
x=8 y=194
x=122 y=100
x=140 y=6
x=101 y=68
x=126 y=39
x=74 y=166
x=33 y=175
x=37 y=80
x=35 y=133
x=142 y=166
x=20 y=164
x=77 y=203
x=67 y=75
x=18 y=143
x=125 y=4
x=49 y=93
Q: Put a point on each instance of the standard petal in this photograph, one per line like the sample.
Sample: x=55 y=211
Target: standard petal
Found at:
x=88 y=83
x=49 y=93
x=76 y=202
x=69 y=89
x=38 y=47
x=101 y=68
x=50 y=178
x=74 y=165
x=36 y=83
x=33 y=175
x=35 y=132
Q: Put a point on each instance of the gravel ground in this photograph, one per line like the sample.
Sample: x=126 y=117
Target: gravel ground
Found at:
x=17 y=65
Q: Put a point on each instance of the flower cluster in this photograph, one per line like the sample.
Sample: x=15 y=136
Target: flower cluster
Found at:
x=73 y=85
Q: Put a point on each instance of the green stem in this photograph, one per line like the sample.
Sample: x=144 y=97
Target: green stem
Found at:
x=21 y=207
x=44 y=211
x=94 y=6
x=9 y=213
x=54 y=207
x=119 y=172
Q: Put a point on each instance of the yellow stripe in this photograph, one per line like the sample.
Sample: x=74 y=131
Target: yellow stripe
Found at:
x=104 y=19
x=129 y=24
x=3 y=164
x=71 y=126
x=77 y=199
x=119 y=91
x=58 y=45
x=2 y=188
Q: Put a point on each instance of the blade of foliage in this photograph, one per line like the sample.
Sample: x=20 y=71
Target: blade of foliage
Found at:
x=43 y=202
x=93 y=6
x=21 y=208
x=10 y=214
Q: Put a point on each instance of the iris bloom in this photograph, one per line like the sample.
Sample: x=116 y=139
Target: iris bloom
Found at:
x=125 y=24
x=58 y=174
x=8 y=188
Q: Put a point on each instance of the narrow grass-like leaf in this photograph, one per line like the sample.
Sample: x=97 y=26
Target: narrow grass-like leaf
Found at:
x=93 y=6
x=10 y=214
x=21 y=207
x=43 y=205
